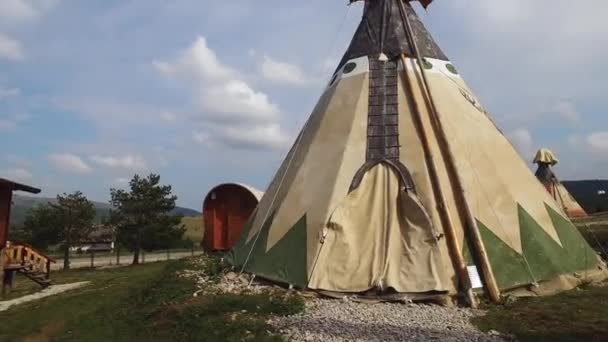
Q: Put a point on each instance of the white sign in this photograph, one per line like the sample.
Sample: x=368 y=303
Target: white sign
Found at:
x=474 y=277
x=601 y=192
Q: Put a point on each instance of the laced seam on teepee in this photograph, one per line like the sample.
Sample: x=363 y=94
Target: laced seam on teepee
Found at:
x=295 y=150
x=330 y=50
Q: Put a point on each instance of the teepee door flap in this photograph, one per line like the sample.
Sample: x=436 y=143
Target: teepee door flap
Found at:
x=380 y=237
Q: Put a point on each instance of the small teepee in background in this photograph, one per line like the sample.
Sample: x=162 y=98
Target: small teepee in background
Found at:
x=400 y=184
x=545 y=159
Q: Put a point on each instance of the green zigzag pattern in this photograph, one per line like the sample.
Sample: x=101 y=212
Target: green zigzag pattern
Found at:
x=285 y=262
x=544 y=257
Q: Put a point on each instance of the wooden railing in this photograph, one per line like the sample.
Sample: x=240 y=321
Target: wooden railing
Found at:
x=24 y=254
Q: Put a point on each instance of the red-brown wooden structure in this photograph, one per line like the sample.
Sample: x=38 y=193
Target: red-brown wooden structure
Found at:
x=226 y=209
x=6 y=196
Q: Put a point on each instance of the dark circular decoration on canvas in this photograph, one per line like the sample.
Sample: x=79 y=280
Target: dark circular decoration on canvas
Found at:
x=349 y=67
x=451 y=69
x=427 y=64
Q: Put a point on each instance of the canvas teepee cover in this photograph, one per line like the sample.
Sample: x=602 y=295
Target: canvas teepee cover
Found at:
x=400 y=180
x=545 y=159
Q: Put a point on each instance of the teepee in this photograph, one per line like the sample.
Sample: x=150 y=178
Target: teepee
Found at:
x=545 y=159
x=401 y=184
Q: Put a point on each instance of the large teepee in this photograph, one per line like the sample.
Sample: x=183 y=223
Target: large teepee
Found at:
x=545 y=159
x=400 y=183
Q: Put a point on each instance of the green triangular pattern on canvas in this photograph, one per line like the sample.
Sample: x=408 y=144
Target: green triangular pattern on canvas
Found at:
x=580 y=255
x=542 y=258
x=545 y=256
x=238 y=253
x=508 y=265
x=286 y=261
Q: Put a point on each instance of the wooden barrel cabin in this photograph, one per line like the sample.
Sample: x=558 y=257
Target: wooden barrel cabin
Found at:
x=226 y=209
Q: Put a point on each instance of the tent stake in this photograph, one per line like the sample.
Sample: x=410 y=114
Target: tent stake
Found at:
x=473 y=229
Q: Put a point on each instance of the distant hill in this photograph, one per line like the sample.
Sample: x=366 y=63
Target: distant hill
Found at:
x=588 y=193
x=22 y=204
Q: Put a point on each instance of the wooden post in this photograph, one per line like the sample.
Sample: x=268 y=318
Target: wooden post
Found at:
x=168 y=254
x=117 y=255
x=444 y=214
x=465 y=210
x=92 y=259
x=192 y=250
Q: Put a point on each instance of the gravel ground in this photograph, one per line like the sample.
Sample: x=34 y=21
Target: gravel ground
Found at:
x=338 y=320
x=346 y=320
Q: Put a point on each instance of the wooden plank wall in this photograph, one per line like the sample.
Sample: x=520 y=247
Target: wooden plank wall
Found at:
x=5 y=211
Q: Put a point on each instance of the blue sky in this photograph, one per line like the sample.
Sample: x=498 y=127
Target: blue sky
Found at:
x=202 y=92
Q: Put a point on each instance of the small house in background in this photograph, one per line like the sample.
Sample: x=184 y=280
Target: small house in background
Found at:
x=226 y=209
x=6 y=196
x=101 y=239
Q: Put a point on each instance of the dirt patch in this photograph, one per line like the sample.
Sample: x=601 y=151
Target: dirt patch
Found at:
x=46 y=332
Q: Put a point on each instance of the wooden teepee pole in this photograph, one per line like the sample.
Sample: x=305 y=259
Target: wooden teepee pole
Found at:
x=444 y=213
x=471 y=222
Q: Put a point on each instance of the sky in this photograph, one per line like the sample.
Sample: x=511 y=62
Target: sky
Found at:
x=203 y=92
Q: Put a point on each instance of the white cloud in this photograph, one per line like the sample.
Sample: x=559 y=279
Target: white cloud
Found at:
x=574 y=140
x=127 y=162
x=232 y=111
x=598 y=142
x=236 y=101
x=282 y=72
x=121 y=181
x=168 y=117
x=198 y=63
x=567 y=111
x=112 y=115
x=7 y=125
x=522 y=141
x=71 y=163
x=13 y=11
x=10 y=123
x=202 y=138
x=260 y=137
x=19 y=117
x=10 y=48
x=265 y=137
x=17 y=175
x=9 y=92
x=16 y=10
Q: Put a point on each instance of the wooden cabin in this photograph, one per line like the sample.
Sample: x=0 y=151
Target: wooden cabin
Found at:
x=6 y=197
x=18 y=257
x=226 y=209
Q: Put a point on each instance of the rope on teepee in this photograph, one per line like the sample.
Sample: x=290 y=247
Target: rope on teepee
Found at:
x=293 y=152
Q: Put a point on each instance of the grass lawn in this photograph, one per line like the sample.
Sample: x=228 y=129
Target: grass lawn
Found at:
x=145 y=303
x=577 y=315
x=194 y=228
x=595 y=231
x=23 y=286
